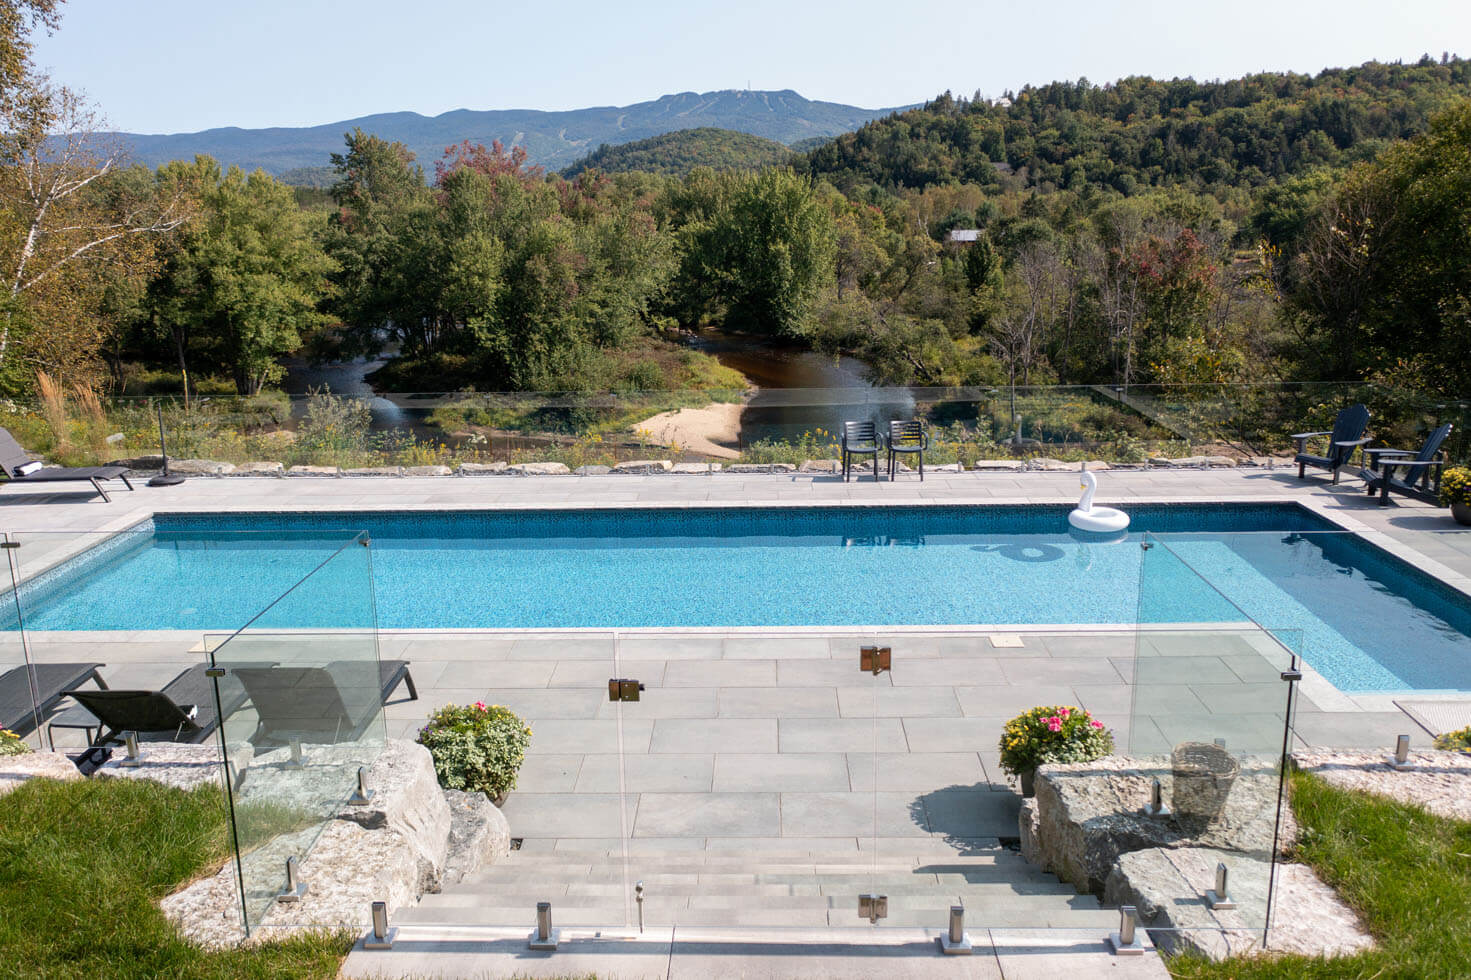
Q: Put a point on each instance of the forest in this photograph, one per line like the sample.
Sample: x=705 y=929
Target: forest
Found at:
x=1273 y=228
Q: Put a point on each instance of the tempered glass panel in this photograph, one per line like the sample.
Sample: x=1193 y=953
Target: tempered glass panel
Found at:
x=1211 y=711
x=302 y=712
x=78 y=610
x=19 y=714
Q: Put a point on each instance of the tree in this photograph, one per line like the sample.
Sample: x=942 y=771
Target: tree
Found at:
x=66 y=211
x=246 y=275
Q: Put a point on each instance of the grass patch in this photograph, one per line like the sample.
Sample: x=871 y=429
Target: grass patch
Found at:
x=83 y=865
x=1407 y=873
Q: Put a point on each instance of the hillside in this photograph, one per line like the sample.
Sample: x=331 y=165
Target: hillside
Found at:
x=552 y=139
x=676 y=154
x=1142 y=131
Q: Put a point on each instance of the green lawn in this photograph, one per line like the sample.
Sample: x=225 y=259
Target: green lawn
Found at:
x=1407 y=873
x=82 y=866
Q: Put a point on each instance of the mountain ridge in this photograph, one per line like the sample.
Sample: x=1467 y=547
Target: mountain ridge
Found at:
x=552 y=138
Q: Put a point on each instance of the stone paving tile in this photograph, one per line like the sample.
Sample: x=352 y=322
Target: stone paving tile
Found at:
x=1077 y=670
x=852 y=814
x=549 y=773
x=673 y=735
x=665 y=702
x=557 y=736
x=828 y=673
x=778 y=702
x=567 y=815
x=952 y=734
x=840 y=734
x=914 y=771
x=1012 y=699
x=665 y=773
x=708 y=814
x=595 y=673
x=786 y=771
x=777 y=648
x=720 y=673
x=899 y=702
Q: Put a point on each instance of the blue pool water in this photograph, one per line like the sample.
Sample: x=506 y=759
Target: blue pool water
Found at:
x=1367 y=621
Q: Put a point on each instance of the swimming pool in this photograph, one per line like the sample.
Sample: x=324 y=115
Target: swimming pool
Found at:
x=1369 y=622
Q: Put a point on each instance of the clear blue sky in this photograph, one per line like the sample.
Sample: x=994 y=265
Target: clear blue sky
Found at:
x=182 y=65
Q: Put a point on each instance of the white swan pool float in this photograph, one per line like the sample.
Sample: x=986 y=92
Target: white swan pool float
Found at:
x=1100 y=520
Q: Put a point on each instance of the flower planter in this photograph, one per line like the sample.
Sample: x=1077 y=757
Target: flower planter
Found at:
x=1462 y=513
x=1028 y=779
x=1203 y=776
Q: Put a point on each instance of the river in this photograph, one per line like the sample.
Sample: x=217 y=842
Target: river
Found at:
x=799 y=390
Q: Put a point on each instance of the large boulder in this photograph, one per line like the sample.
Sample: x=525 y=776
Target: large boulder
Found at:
x=1087 y=814
x=479 y=834
x=1168 y=886
x=17 y=769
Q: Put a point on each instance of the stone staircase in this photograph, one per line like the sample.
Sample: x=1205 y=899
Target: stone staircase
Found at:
x=766 y=888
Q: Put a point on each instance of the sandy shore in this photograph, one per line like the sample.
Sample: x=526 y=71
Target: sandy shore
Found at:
x=713 y=430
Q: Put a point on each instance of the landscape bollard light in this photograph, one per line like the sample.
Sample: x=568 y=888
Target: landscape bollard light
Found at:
x=134 y=757
x=955 y=942
x=1401 y=757
x=381 y=936
x=545 y=938
x=362 y=794
x=295 y=887
x=1126 y=942
x=1156 y=805
x=1218 y=897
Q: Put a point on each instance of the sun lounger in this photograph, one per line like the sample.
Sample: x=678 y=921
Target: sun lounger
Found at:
x=1405 y=471
x=322 y=705
x=17 y=465
x=1347 y=435
x=51 y=682
x=183 y=711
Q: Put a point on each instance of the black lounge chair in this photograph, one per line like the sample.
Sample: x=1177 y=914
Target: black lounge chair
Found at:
x=183 y=711
x=322 y=705
x=907 y=437
x=1421 y=476
x=860 y=439
x=1347 y=435
x=14 y=460
x=52 y=682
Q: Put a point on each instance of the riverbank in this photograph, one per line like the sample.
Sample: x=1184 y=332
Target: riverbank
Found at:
x=713 y=431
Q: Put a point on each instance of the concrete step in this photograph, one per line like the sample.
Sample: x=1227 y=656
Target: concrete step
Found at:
x=1001 y=914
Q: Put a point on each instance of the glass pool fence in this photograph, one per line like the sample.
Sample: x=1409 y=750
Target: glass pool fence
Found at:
x=1001 y=426
x=280 y=718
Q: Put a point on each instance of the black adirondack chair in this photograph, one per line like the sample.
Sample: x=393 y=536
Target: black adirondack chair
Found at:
x=860 y=439
x=1405 y=471
x=1347 y=435
x=907 y=437
x=14 y=461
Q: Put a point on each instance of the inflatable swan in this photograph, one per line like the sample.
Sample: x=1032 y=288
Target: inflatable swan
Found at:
x=1103 y=520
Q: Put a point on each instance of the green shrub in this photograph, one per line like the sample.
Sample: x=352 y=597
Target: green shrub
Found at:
x=11 y=743
x=1052 y=733
x=477 y=747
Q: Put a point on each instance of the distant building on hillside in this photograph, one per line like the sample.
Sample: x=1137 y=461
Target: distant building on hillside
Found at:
x=964 y=236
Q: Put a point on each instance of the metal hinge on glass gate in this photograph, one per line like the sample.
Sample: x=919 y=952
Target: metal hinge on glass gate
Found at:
x=214 y=672
x=1292 y=675
x=873 y=907
x=623 y=689
x=875 y=660
x=9 y=544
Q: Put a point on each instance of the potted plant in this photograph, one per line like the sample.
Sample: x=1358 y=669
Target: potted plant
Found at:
x=1051 y=733
x=1455 y=492
x=477 y=747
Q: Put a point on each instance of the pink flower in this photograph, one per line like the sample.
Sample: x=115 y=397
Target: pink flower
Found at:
x=1054 y=725
x=1064 y=712
x=480 y=705
x=1054 y=720
x=1096 y=724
